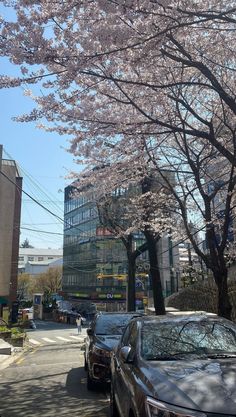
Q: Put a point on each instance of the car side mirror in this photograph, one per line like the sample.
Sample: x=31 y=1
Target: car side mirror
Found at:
x=125 y=354
x=90 y=332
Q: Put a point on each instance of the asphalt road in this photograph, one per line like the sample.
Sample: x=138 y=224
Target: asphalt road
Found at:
x=48 y=380
x=47 y=333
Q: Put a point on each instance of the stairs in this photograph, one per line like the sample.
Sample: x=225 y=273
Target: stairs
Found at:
x=5 y=348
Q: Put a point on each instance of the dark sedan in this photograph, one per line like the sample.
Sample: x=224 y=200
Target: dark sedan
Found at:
x=103 y=335
x=175 y=366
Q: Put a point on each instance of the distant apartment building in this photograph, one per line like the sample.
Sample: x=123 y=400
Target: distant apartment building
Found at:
x=190 y=266
x=35 y=261
x=168 y=264
x=37 y=268
x=10 y=210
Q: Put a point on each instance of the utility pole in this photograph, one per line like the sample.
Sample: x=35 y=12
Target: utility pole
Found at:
x=171 y=263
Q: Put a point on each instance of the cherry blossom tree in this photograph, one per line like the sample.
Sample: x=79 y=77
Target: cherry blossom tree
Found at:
x=122 y=60
x=111 y=214
x=204 y=191
x=127 y=78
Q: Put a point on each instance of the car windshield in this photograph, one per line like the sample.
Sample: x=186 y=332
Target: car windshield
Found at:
x=175 y=340
x=111 y=324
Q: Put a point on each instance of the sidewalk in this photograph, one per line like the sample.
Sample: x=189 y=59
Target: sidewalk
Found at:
x=6 y=360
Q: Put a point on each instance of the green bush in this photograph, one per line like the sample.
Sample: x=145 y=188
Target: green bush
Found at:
x=4 y=329
x=17 y=332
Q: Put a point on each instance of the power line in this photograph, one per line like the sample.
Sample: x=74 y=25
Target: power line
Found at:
x=42 y=231
x=41 y=205
x=37 y=186
x=76 y=227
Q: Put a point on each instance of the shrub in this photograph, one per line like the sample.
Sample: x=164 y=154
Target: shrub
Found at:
x=17 y=332
x=4 y=329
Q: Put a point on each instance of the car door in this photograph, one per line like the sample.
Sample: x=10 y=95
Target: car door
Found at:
x=124 y=378
x=88 y=341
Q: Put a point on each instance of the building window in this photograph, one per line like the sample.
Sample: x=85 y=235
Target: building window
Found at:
x=50 y=257
x=30 y=258
x=40 y=258
x=21 y=258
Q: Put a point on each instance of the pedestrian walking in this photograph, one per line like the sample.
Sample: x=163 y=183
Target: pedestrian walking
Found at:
x=78 y=323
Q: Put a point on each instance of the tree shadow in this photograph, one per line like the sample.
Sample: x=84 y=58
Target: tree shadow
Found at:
x=53 y=394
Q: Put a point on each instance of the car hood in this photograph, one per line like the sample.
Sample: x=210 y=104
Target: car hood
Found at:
x=204 y=385
x=108 y=341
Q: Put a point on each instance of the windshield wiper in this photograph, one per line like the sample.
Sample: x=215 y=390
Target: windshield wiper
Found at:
x=221 y=355
x=173 y=357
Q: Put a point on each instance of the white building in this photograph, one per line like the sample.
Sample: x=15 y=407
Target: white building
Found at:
x=36 y=268
x=37 y=257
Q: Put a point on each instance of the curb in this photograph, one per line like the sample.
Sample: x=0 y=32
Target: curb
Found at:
x=8 y=360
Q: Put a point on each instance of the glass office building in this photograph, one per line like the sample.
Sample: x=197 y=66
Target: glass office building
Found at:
x=94 y=261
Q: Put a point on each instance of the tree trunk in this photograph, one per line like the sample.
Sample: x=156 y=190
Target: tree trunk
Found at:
x=130 y=294
x=132 y=255
x=224 y=305
x=219 y=269
x=158 y=298
x=217 y=264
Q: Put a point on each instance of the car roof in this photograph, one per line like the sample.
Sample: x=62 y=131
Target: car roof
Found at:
x=119 y=313
x=180 y=316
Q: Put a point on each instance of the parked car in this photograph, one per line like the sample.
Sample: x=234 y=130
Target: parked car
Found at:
x=102 y=336
x=172 y=366
x=27 y=313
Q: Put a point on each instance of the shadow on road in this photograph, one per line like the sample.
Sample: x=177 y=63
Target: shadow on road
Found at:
x=76 y=385
x=53 y=394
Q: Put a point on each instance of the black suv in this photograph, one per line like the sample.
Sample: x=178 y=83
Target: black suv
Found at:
x=103 y=335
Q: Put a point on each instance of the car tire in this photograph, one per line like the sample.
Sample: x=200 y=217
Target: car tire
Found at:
x=113 y=407
x=90 y=383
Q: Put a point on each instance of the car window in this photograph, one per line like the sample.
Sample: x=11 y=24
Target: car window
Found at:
x=133 y=336
x=111 y=324
x=126 y=336
x=130 y=339
x=189 y=337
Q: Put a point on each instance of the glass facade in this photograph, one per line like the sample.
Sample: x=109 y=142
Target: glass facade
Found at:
x=94 y=261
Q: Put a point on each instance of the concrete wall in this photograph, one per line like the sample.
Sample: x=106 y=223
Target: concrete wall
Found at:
x=201 y=296
x=16 y=240
x=7 y=204
x=10 y=203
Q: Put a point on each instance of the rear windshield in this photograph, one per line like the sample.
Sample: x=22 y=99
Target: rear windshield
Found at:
x=112 y=324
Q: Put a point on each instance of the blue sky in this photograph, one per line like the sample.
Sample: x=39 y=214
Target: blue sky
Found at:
x=44 y=165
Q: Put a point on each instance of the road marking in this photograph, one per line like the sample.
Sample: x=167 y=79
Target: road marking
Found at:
x=76 y=337
x=20 y=360
x=35 y=342
x=48 y=340
x=63 y=338
x=31 y=353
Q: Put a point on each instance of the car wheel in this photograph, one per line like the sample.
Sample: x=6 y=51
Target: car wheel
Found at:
x=90 y=383
x=113 y=407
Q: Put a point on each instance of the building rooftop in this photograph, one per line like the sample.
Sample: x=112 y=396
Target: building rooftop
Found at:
x=9 y=162
x=42 y=252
